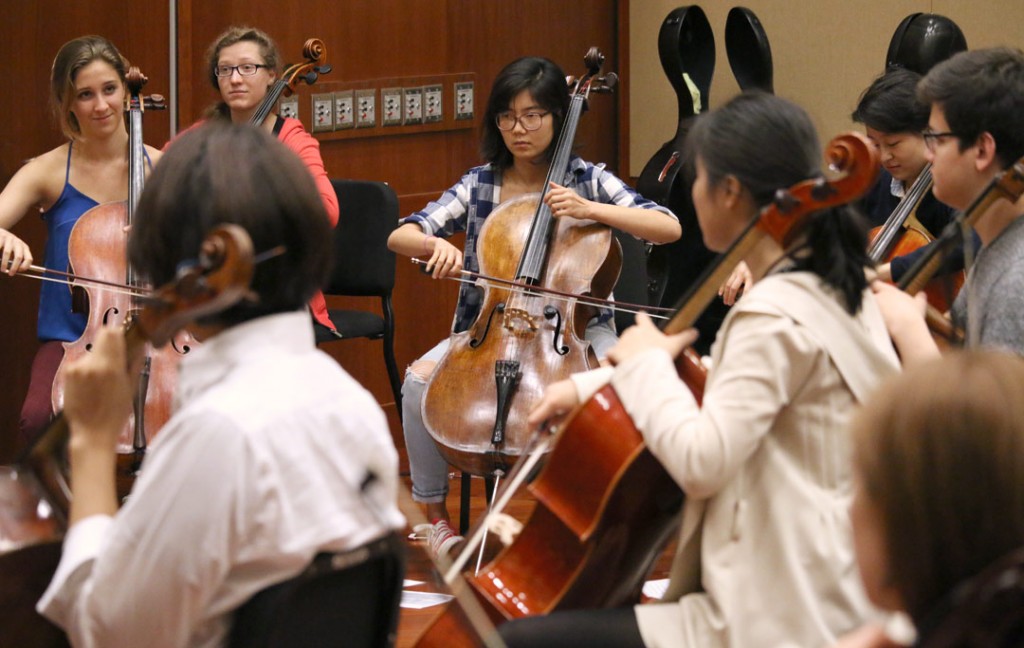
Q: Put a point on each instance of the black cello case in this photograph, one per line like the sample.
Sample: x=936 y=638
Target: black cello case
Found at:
x=686 y=44
x=921 y=40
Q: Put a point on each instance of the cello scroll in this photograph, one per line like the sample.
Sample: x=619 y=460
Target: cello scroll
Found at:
x=308 y=71
x=314 y=51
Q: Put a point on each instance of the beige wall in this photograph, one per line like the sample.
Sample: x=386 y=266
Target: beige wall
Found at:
x=825 y=52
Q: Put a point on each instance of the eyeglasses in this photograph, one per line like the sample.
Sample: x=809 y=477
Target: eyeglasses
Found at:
x=530 y=121
x=931 y=138
x=245 y=69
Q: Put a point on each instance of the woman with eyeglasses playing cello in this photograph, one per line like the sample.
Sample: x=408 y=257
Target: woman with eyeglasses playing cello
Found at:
x=525 y=115
x=766 y=553
x=87 y=98
x=243 y=63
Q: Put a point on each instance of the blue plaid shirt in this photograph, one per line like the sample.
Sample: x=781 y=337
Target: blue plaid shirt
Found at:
x=466 y=206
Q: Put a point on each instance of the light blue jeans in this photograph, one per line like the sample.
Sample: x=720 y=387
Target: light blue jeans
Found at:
x=429 y=469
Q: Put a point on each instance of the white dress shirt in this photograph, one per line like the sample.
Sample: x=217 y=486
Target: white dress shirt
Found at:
x=259 y=468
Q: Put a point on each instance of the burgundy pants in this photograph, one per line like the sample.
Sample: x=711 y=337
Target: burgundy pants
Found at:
x=37 y=410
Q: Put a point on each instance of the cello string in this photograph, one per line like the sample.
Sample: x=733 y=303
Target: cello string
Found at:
x=581 y=299
x=122 y=290
x=41 y=273
x=625 y=307
x=71 y=278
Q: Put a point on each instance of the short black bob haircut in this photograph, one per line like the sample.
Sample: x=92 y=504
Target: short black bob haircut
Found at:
x=234 y=173
x=890 y=104
x=545 y=81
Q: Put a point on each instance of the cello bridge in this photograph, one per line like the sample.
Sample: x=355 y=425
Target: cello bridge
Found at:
x=519 y=322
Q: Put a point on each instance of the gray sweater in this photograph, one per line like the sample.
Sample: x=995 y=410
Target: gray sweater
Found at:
x=991 y=302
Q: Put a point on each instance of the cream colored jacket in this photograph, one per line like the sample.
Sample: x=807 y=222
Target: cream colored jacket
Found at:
x=765 y=468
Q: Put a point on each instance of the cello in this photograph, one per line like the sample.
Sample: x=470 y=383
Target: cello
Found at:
x=605 y=505
x=1006 y=185
x=477 y=398
x=33 y=493
x=902 y=233
x=97 y=248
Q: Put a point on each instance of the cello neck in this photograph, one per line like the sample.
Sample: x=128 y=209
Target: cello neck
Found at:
x=136 y=160
x=532 y=262
x=136 y=153
x=269 y=100
x=308 y=71
x=894 y=224
x=1007 y=185
x=705 y=289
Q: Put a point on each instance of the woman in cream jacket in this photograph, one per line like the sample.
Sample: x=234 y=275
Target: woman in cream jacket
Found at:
x=766 y=556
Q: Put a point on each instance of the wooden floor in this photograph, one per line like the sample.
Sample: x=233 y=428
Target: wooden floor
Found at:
x=413 y=622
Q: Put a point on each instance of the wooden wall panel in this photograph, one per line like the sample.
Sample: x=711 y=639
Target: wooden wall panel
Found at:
x=366 y=39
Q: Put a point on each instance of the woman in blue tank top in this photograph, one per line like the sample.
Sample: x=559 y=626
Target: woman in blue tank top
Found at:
x=87 y=96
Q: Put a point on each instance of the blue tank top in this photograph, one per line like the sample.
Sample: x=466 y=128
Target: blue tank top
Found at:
x=56 y=319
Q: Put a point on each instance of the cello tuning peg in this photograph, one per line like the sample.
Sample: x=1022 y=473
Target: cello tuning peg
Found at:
x=323 y=69
x=609 y=81
x=154 y=102
x=785 y=201
x=822 y=190
x=310 y=77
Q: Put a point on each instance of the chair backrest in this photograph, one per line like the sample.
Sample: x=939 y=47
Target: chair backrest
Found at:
x=363 y=264
x=632 y=286
x=346 y=599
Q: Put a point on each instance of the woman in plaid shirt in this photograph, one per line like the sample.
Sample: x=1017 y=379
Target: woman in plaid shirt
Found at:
x=525 y=113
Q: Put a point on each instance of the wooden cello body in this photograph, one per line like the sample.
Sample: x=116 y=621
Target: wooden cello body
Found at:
x=902 y=234
x=513 y=327
x=477 y=398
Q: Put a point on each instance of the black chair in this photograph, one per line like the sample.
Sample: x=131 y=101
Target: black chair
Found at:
x=348 y=599
x=365 y=267
x=633 y=286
